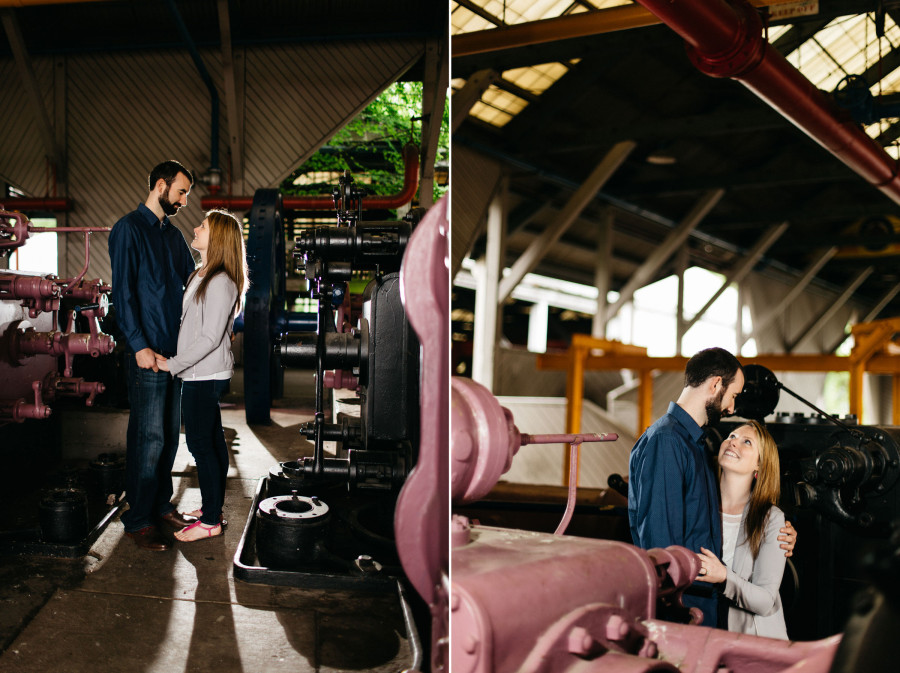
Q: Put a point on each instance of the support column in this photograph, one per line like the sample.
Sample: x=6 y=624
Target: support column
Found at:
x=574 y=402
x=232 y=76
x=434 y=100
x=538 y=320
x=603 y=274
x=487 y=305
x=60 y=186
x=681 y=264
x=895 y=400
x=645 y=401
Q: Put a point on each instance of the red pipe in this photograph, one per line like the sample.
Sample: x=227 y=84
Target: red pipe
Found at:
x=25 y=204
x=725 y=40
x=405 y=195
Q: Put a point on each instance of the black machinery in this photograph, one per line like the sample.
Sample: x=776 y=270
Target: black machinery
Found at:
x=838 y=488
x=326 y=520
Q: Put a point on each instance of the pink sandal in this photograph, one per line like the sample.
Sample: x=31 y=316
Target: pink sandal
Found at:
x=199 y=512
x=208 y=530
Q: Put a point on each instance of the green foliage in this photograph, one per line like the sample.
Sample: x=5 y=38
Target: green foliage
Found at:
x=370 y=146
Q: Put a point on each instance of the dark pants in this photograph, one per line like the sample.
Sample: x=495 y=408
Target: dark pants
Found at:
x=206 y=442
x=152 y=442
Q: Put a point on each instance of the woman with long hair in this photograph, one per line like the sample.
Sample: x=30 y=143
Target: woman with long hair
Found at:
x=752 y=561
x=204 y=362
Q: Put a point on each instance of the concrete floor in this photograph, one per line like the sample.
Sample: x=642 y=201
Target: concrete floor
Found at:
x=121 y=608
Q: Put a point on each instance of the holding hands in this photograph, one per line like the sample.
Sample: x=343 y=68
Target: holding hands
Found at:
x=162 y=363
x=146 y=359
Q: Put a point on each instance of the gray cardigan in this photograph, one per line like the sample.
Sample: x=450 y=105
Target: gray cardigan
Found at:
x=204 y=340
x=752 y=585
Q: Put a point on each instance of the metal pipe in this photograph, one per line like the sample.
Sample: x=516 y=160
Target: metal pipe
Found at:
x=72 y=282
x=404 y=196
x=23 y=204
x=207 y=80
x=725 y=40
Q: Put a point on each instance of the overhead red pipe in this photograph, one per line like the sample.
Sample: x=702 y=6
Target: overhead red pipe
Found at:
x=26 y=204
x=405 y=195
x=725 y=40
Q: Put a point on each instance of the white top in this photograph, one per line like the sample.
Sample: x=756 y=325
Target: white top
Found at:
x=731 y=528
x=752 y=585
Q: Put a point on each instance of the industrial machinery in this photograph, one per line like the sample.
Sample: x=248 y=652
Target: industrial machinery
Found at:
x=529 y=601
x=34 y=335
x=328 y=520
x=267 y=315
x=46 y=323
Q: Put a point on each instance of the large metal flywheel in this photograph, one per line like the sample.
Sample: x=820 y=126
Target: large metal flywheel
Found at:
x=266 y=299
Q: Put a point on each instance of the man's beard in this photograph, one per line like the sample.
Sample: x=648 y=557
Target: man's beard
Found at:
x=714 y=408
x=168 y=207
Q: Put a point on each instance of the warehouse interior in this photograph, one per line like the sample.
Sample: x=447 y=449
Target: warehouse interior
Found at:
x=242 y=93
x=636 y=181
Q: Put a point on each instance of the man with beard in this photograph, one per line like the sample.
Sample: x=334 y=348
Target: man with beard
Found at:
x=672 y=493
x=151 y=262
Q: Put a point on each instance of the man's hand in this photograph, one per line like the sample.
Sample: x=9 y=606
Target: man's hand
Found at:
x=146 y=359
x=162 y=363
x=789 y=538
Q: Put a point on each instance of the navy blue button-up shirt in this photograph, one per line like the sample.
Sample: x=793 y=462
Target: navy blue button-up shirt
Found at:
x=672 y=494
x=151 y=263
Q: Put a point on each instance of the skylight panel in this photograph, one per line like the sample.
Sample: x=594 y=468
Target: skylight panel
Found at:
x=536 y=78
x=463 y=20
x=847 y=46
x=497 y=107
x=489 y=114
x=777 y=31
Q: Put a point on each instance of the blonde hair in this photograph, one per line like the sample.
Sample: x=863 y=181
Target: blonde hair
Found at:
x=766 y=488
x=226 y=254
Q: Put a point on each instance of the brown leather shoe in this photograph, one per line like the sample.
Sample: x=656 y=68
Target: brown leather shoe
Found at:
x=177 y=520
x=149 y=538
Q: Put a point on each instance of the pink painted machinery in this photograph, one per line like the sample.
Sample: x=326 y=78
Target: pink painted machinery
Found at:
x=31 y=340
x=526 y=602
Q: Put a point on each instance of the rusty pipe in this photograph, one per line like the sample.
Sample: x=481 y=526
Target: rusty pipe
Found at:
x=72 y=282
x=724 y=39
x=405 y=195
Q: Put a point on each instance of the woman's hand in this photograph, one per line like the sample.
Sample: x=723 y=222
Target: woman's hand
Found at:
x=162 y=363
x=712 y=570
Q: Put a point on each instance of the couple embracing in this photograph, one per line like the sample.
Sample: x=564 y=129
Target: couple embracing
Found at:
x=176 y=318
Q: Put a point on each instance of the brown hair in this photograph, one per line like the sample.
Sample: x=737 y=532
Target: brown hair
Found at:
x=766 y=488
x=226 y=254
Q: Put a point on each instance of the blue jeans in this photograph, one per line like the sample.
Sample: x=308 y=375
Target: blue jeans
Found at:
x=206 y=442
x=152 y=442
